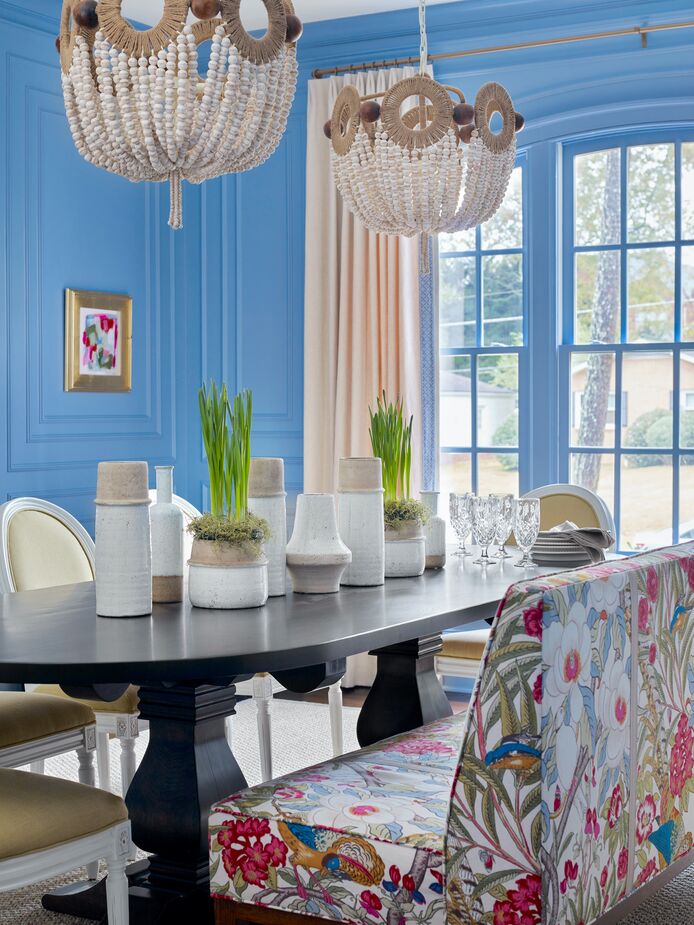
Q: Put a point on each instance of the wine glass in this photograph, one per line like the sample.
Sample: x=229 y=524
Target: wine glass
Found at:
x=504 y=525
x=461 y=520
x=527 y=528
x=485 y=517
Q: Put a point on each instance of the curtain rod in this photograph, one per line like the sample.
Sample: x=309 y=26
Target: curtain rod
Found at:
x=542 y=43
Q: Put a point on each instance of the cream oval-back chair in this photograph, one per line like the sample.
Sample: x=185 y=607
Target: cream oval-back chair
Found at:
x=462 y=651
x=263 y=686
x=42 y=546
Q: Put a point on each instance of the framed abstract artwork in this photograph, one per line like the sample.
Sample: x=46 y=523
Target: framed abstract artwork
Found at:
x=98 y=342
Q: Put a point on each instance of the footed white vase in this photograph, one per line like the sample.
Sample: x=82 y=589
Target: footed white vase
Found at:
x=360 y=520
x=316 y=556
x=268 y=499
x=167 y=541
x=405 y=551
x=434 y=532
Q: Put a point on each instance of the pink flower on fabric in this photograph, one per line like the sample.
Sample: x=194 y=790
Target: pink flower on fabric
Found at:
x=537 y=689
x=614 y=810
x=394 y=874
x=603 y=877
x=371 y=903
x=623 y=863
x=645 y=816
x=243 y=849
x=419 y=747
x=681 y=758
x=570 y=874
x=289 y=793
x=646 y=874
x=522 y=906
x=652 y=584
x=652 y=654
x=643 y=616
x=532 y=617
x=592 y=826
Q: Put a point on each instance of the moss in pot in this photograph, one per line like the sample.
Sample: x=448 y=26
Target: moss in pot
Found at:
x=404 y=518
x=228 y=568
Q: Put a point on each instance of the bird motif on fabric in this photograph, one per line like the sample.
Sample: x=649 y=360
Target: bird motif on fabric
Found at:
x=671 y=840
x=678 y=619
x=348 y=856
x=515 y=753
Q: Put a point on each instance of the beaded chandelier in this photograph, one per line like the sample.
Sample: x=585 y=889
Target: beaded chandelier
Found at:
x=426 y=166
x=138 y=107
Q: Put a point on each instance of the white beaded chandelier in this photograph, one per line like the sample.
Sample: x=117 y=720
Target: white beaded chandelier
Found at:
x=138 y=107
x=427 y=166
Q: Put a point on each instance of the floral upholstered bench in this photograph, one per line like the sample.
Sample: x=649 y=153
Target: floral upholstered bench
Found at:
x=562 y=792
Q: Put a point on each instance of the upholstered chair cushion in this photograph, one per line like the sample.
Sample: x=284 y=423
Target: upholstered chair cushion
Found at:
x=40 y=812
x=345 y=836
x=470 y=644
x=43 y=553
x=25 y=717
x=128 y=703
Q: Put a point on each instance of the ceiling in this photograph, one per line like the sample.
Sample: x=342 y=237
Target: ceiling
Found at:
x=254 y=16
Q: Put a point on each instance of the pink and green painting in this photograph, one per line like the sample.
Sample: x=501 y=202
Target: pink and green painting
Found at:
x=99 y=353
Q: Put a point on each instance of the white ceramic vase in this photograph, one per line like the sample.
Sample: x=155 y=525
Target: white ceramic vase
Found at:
x=434 y=532
x=405 y=550
x=360 y=520
x=316 y=556
x=123 y=540
x=167 y=541
x=224 y=577
x=268 y=499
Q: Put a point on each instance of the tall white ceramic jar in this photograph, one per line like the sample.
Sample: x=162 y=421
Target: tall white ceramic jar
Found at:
x=268 y=499
x=316 y=556
x=167 y=541
x=360 y=520
x=123 y=540
x=434 y=532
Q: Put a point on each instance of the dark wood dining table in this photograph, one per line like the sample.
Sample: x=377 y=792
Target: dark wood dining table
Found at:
x=186 y=663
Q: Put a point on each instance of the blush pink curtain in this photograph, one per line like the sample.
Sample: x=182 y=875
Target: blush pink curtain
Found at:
x=361 y=309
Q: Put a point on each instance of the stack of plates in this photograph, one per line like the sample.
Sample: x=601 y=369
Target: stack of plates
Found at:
x=559 y=549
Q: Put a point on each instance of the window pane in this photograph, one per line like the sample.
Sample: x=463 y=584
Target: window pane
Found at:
x=686 y=499
x=597 y=204
x=455 y=413
x=687 y=402
x=651 y=193
x=497 y=400
x=458 y=241
x=646 y=505
x=688 y=293
x=457 y=306
x=502 y=300
x=497 y=474
x=647 y=401
x=505 y=229
x=456 y=475
x=688 y=190
x=592 y=399
x=595 y=471
x=650 y=296
x=597 y=297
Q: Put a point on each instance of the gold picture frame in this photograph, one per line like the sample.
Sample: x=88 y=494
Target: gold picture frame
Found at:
x=98 y=341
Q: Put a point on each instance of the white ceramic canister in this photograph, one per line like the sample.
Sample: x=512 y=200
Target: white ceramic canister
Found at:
x=167 y=541
x=123 y=540
x=360 y=520
x=268 y=499
x=405 y=550
x=224 y=577
x=434 y=532
x=316 y=556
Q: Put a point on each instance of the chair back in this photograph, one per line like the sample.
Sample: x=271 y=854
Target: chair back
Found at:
x=42 y=546
x=577 y=764
x=189 y=513
x=572 y=502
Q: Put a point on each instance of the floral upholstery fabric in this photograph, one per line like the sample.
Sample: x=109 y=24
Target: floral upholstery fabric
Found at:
x=358 y=839
x=571 y=790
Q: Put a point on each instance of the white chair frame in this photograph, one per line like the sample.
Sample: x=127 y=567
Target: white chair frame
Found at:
x=124 y=726
x=113 y=845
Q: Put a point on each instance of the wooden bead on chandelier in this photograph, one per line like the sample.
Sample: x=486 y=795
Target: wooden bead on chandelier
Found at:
x=138 y=107
x=427 y=166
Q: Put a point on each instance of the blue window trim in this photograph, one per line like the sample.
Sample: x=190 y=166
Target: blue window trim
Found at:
x=569 y=150
x=474 y=450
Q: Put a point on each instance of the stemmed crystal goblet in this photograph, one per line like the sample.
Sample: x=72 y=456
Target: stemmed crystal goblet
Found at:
x=527 y=528
x=504 y=525
x=485 y=516
x=461 y=520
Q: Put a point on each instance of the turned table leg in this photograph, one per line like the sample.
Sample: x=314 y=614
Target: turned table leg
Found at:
x=406 y=693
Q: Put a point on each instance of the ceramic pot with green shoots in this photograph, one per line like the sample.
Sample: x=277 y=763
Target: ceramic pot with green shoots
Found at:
x=228 y=566
x=404 y=518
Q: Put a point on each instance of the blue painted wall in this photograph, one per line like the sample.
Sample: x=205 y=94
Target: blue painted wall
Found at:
x=224 y=297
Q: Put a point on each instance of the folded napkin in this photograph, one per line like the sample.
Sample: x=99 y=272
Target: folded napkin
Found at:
x=594 y=540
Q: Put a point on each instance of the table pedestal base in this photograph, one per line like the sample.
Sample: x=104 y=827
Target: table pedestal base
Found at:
x=406 y=693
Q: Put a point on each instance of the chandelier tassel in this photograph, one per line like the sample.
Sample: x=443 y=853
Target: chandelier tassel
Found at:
x=176 y=195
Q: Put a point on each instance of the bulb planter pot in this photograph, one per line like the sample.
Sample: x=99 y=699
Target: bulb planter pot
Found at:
x=316 y=556
x=267 y=499
x=226 y=577
x=405 y=550
x=167 y=541
x=434 y=532
x=360 y=520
